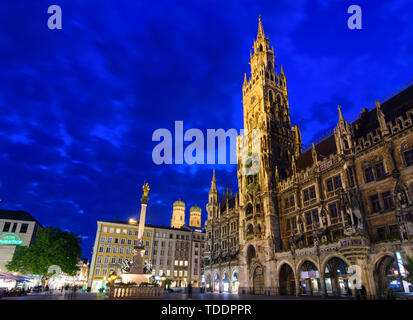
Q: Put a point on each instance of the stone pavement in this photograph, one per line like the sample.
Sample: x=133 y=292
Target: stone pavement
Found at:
x=169 y=296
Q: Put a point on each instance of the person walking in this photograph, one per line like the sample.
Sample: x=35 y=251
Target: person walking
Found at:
x=189 y=290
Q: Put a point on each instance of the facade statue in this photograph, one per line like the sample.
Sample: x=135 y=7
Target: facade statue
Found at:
x=316 y=239
x=401 y=197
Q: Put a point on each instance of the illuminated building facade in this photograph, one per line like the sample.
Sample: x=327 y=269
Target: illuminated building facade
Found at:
x=307 y=218
x=16 y=228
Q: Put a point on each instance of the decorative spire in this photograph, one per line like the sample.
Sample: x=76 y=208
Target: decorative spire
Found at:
x=293 y=166
x=213 y=182
x=260 y=29
x=314 y=154
x=282 y=70
x=340 y=114
x=381 y=119
x=245 y=78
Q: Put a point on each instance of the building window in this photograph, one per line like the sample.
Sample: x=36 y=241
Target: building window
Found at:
x=315 y=215
x=368 y=173
x=102 y=239
x=337 y=182
x=23 y=228
x=387 y=200
x=381 y=234
x=129 y=241
x=6 y=227
x=109 y=240
x=312 y=192
x=148 y=243
x=113 y=260
x=97 y=272
x=108 y=249
x=394 y=232
x=309 y=220
x=105 y=229
x=14 y=227
x=330 y=186
x=306 y=195
x=123 y=241
x=333 y=210
x=294 y=223
x=116 y=240
x=101 y=248
x=408 y=156
x=380 y=173
x=115 y=249
x=375 y=204
x=99 y=259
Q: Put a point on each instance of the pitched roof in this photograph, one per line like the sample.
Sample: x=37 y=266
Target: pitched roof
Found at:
x=17 y=215
x=392 y=108
x=324 y=149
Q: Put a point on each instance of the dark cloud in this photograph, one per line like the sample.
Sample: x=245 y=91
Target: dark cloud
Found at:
x=79 y=105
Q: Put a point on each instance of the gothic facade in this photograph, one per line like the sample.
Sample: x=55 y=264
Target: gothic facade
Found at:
x=308 y=220
x=222 y=244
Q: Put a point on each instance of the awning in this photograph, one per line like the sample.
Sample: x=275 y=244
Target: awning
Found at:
x=10 y=276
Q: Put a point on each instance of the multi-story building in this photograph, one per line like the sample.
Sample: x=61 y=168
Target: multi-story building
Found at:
x=114 y=243
x=222 y=244
x=308 y=220
x=173 y=252
x=18 y=228
x=177 y=254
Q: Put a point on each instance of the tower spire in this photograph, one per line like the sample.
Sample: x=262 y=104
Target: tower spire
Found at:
x=213 y=182
x=340 y=115
x=260 y=28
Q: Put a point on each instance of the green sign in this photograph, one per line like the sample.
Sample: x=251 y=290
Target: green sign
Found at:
x=10 y=238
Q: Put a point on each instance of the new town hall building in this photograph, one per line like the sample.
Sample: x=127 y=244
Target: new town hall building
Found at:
x=300 y=223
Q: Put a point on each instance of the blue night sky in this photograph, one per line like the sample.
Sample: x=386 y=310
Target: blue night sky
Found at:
x=79 y=105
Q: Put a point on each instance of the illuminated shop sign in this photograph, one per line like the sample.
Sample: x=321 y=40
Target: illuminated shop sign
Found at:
x=400 y=263
x=10 y=238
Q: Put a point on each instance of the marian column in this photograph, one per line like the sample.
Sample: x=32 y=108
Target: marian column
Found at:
x=139 y=250
x=144 y=203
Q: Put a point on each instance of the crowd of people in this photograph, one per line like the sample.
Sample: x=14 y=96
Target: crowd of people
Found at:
x=22 y=291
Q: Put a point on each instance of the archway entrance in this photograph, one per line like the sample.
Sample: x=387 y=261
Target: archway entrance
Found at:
x=258 y=281
x=234 y=282
x=336 y=277
x=225 y=283
x=216 y=283
x=287 y=281
x=309 y=278
x=386 y=275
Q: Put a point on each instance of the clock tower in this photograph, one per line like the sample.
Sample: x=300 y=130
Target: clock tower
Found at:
x=266 y=107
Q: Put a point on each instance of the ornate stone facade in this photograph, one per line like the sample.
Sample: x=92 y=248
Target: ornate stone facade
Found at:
x=222 y=245
x=307 y=217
